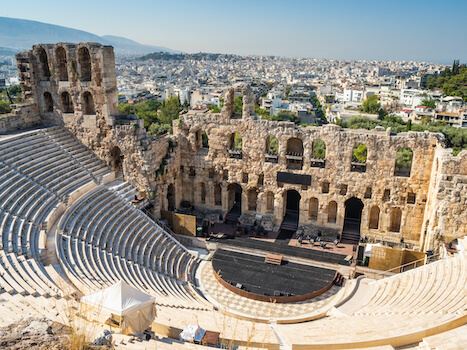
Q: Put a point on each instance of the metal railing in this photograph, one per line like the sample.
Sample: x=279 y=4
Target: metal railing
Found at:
x=401 y=268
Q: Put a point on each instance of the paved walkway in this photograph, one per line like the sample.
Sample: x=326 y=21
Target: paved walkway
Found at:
x=232 y=303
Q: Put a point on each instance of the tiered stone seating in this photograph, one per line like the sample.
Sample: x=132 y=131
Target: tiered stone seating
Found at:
x=37 y=173
x=103 y=238
x=402 y=308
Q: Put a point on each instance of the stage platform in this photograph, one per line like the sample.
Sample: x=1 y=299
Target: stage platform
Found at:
x=283 y=249
x=258 y=277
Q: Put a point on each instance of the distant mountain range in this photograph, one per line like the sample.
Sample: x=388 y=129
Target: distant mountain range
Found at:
x=21 y=34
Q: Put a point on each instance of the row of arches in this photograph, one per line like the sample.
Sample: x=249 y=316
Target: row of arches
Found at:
x=67 y=105
x=61 y=64
x=354 y=207
x=295 y=152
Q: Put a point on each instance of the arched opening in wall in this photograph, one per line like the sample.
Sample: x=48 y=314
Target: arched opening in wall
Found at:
x=238 y=105
x=67 y=103
x=272 y=149
x=204 y=140
x=88 y=104
x=217 y=194
x=44 y=64
x=403 y=165
x=374 y=218
x=203 y=192
x=269 y=202
x=116 y=161
x=313 y=209
x=60 y=58
x=235 y=145
x=359 y=158
x=235 y=201
x=84 y=61
x=332 y=211
x=252 y=198
x=352 y=220
x=171 y=197
x=318 y=156
x=294 y=153
x=396 y=216
x=48 y=102
x=292 y=210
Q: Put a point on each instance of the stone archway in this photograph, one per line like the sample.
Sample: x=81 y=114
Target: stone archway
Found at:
x=352 y=220
x=235 y=202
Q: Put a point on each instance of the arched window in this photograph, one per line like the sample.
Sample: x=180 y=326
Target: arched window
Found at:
x=294 y=153
x=313 y=209
x=238 y=105
x=269 y=201
x=48 y=102
x=396 y=216
x=60 y=58
x=203 y=192
x=235 y=146
x=272 y=145
x=217 y=194
x=359 y=157
x=44 y=64
x=84 y=61
x=252 y=197
x=271 y=149
x=88 y=104
x=332 y=211
x=67 y=103
x=236 y=141
x=403 y=165
x=319 y=149
x=204 y=140
x=374 y=218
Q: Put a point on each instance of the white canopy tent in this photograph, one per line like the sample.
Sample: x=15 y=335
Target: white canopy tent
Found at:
x=136 y=310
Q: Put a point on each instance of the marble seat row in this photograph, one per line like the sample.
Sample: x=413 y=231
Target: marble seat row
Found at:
x=36 y=175
x=103 y=238
x=439 y=286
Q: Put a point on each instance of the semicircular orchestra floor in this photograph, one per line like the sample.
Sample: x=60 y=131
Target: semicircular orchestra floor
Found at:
x=235 y=304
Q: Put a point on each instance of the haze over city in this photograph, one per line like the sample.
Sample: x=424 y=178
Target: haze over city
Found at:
x=395 y=30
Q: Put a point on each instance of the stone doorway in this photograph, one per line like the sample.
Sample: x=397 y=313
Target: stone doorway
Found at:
x=352 y=221
x=291 y=216
x=235 y=202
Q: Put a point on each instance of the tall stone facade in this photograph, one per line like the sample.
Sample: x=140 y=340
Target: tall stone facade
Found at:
x=215 y=160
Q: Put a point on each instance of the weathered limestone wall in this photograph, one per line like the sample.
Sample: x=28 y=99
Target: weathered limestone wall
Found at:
x=75 y=86
x=446 y=212
x=23 y=116
x=343 y=183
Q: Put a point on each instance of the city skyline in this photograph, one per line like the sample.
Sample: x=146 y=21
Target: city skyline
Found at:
x=415 y=30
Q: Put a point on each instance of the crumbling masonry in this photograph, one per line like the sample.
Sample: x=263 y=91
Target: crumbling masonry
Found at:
x=216 y=161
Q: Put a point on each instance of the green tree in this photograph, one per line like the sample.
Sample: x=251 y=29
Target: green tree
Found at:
x=319 y=149
x=428 y=102
x=4 y=107
x=371 y=105
x=359 y=153
x=238 y=105
x=404 y=157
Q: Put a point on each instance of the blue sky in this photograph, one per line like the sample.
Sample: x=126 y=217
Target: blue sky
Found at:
x=405 y=30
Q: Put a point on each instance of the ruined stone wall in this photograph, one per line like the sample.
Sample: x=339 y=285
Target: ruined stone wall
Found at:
x=431 y=199
x=75 y=86
x=211 y=164
x=446 y=212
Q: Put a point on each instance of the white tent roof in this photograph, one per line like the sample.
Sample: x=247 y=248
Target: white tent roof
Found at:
x=119 y=299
